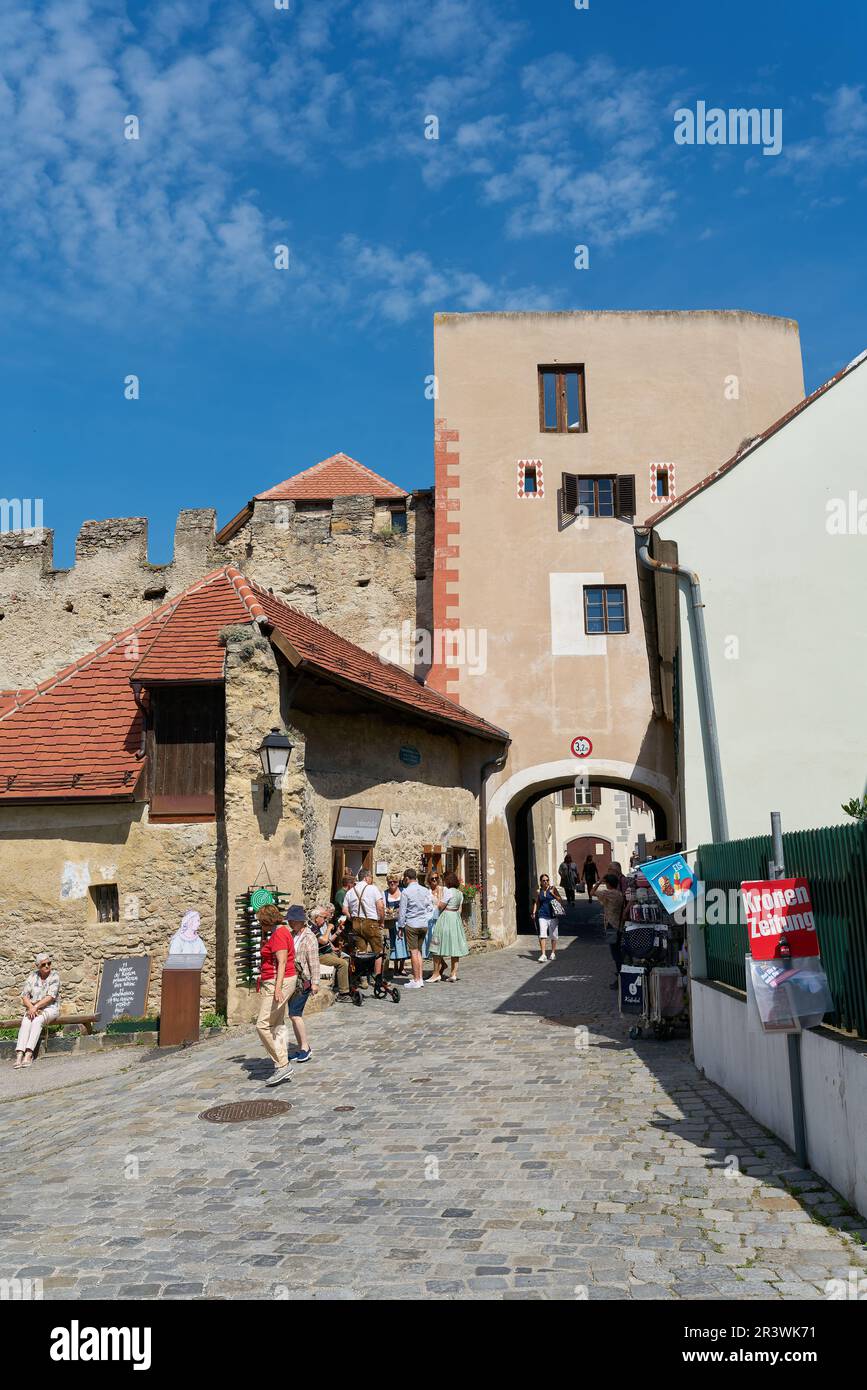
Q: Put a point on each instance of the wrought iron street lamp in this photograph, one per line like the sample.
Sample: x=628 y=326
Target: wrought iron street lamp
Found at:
x=274 y=751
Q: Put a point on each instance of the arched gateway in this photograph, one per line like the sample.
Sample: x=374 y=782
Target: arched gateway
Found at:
x=509 y=808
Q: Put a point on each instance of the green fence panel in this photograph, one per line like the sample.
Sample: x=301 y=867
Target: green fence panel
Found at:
x=834 y=862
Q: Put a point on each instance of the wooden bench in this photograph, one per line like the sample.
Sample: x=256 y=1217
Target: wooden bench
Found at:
x=85 y=1021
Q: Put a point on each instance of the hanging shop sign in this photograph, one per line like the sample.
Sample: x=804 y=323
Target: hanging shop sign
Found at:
x=581 y=746
x=672 y=881
x=778 y=908
x=357 y=825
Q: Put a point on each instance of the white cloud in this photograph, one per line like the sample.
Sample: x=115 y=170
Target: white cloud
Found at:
x=397 y=287
x=843 y=143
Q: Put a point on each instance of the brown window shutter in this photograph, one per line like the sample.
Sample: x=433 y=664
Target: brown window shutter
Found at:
x=570 y=494
x=626 y=496
x=595 y=796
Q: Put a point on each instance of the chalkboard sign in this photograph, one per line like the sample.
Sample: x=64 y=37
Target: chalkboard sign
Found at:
x=123 y=989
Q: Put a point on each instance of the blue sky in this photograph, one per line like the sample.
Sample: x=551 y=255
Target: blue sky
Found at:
x=305 y=127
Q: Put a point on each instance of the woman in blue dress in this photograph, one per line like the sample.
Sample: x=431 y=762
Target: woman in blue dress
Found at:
x=398 y=952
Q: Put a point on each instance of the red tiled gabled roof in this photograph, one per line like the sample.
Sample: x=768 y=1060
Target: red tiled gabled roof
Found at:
x=333 y=657
x=185 y=649
x=753 y=444
x=79 y=734
x=337 y=476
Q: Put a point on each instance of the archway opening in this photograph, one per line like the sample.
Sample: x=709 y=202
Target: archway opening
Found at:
x=604 y=826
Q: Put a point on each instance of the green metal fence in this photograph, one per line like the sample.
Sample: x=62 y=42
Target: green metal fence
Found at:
x=834 y=861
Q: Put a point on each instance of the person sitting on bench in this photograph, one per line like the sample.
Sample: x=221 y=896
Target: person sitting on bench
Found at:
x=41 y=999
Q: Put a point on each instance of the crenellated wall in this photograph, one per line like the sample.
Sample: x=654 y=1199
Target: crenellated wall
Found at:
x=335 y=564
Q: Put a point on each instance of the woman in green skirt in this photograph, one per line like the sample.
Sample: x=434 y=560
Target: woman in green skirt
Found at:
x=449 y=941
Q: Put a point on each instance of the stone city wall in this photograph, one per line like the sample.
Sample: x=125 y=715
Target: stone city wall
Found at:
x=338 y=567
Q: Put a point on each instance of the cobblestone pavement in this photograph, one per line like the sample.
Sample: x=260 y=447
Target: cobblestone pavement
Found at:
x=496 y=1139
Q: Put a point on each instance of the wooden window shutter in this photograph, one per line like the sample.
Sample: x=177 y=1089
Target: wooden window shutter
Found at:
x=595 y=796
x=626 y=496
x=187 y=750
x=570 y=494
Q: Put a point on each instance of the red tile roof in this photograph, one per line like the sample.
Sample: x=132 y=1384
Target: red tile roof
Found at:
x=333 y=657
x=337 y=476
x=79 y=734
x=185 y=647
x=753 y=444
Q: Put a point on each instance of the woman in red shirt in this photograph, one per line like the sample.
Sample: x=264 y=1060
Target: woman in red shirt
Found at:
x=276 y=987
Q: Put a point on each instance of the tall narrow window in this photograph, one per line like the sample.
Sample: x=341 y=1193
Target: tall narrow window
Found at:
x=562 y=400
x=662 y=482
x=605 y=609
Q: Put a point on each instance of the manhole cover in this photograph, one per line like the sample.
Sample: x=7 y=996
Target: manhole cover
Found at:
x=343 y=1109
x=239 y=1110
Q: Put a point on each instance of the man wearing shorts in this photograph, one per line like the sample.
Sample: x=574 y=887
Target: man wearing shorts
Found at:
x=365 y=905
x=416 y=907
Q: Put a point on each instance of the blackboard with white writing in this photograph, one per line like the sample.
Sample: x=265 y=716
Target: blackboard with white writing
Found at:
x=123 y=989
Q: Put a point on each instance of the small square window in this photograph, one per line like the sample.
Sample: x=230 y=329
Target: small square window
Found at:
x=105 y=900
x=662 y=482
x=605 y=609
x=530 y=480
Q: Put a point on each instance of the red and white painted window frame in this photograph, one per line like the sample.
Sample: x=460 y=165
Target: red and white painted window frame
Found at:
x=655 y=470
x=523 y=465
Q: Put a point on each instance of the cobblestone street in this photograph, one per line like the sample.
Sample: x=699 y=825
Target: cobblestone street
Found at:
x=465 y=1143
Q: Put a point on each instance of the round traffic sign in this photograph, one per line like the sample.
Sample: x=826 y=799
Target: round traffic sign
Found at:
x=581 y=746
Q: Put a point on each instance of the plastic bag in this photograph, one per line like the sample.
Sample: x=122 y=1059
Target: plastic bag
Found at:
x=790 y=993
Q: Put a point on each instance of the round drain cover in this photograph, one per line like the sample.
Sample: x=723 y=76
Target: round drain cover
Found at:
x=235 y=1112
x=343 y=1109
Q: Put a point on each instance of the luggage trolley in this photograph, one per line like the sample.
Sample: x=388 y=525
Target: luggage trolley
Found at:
x=651 y=991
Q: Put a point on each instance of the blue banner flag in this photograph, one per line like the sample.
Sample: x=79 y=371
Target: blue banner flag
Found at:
x=671 y=879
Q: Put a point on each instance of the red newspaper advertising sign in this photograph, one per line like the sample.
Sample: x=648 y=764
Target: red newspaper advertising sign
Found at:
x=776 y=908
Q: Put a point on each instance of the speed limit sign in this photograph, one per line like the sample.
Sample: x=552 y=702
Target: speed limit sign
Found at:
x=581 y=746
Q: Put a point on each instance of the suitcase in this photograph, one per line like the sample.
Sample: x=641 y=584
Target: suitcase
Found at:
x=666 y=993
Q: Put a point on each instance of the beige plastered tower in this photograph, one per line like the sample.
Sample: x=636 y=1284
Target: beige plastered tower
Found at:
x=670 y=391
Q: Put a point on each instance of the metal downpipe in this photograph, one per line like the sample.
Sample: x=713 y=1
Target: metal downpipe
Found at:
x=710 y=736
